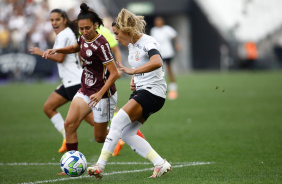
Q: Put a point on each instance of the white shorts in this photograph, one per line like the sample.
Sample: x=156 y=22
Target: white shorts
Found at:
x=105 y=108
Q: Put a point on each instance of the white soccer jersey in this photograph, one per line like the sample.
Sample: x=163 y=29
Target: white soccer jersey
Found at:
x=70 y=69
x=164 y=36
x=153 y=81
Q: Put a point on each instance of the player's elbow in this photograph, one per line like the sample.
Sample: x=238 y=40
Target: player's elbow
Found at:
x=157 y=64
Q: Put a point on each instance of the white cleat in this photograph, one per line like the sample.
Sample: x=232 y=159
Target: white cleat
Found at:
x=160 y=170
x=95 y=170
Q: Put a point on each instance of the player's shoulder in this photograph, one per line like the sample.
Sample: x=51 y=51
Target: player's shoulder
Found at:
x=148 y=39
x=101 y=39
x=66 y=33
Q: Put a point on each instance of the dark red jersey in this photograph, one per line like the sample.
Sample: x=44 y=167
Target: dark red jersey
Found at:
x=95 y=54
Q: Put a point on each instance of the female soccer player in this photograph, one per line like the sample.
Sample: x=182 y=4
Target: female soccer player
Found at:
x=149 y=93
x=98 y=91
x=69 y=68
x=165 y=34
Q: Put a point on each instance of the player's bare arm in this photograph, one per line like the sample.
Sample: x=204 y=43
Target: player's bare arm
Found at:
x=154 y=63
x=65 y=50
x=132 y=84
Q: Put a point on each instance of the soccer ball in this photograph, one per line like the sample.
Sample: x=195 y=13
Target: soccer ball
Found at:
x=73 y=163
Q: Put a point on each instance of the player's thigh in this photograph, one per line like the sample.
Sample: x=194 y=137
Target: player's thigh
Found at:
x=78 y=110
x=134 y=110
x=54 y=101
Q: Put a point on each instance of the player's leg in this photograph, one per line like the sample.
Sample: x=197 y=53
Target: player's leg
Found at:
x=55 y=100
x=100 y=131
x=90 y=119
x=77 y=112
x=172 y=87
x=132 y=111
x=150 y=104
x=144 y=149
x=119 y=122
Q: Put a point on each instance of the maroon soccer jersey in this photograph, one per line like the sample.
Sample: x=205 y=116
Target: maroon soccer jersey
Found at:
x=95 y=54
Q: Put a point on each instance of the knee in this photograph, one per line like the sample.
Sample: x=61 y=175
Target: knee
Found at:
x=69 y=126
x=48 y=110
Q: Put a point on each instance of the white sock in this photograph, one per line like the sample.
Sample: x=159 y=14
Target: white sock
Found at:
x=172 y=86
x=119 y=122
x=58 y=122
x=140 y=145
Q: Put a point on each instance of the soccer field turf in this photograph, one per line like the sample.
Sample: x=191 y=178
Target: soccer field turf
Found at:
x=223 y=128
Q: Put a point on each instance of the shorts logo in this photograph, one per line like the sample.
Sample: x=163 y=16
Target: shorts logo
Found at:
x=89 y=52
x=137 y=56
x=98 y=109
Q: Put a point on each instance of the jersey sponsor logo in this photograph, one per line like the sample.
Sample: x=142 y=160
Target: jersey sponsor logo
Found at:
x=90 y=82
x=89 y=52
x=86 y=62
x=89 y=78
x=137 y=56
x=85 y=45
x=109 y=49
x=94 y=46
x=104 y=52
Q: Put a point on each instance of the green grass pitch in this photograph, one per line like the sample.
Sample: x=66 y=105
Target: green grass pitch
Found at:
x=233 y=121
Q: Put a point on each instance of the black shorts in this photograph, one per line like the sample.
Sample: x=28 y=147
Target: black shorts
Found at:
x=67 y=93
x=167 y=60
x=149 y=102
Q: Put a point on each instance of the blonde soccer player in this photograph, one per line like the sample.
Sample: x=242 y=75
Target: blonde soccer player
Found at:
x=149 y=93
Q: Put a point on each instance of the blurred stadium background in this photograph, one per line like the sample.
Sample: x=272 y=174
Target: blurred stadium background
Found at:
x=232 y=119
x=215 y=35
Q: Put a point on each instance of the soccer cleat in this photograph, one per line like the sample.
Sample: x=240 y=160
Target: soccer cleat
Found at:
x=118 y=147
x=160 y=170
x=95 y=170
x=172 y=95
x=63 y=147
x=61 y=173
x=140 y=134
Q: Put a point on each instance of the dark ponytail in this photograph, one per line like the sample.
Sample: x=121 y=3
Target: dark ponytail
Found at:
x=71 y=24
x=87 y=13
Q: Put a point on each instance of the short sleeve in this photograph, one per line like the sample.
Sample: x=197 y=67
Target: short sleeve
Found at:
x=150 y=46
x=105 y=54
x=61 y=42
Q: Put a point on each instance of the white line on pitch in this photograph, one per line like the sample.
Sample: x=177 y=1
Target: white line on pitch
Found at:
x=185 y=164
x=110 y=163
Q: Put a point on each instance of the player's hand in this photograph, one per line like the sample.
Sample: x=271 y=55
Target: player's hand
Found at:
x=94 y=99
x=49 y=52
x=124 y=69
x=36 y=51
x=132 y=84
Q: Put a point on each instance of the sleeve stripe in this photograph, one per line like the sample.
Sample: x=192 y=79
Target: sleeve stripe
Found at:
x=107 y=62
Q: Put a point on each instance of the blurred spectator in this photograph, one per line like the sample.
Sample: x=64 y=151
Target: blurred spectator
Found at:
x=4 y=37
x=249 y=55
x=24 y=23
x=167 y=37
